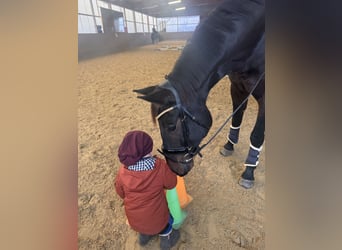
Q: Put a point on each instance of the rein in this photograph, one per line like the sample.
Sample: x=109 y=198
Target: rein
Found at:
x=229 y=117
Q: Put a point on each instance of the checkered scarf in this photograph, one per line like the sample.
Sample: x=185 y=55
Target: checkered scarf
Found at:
x=145 y=164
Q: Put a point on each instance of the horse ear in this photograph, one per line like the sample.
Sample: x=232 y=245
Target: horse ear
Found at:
x=158 y=96
x=146 y=90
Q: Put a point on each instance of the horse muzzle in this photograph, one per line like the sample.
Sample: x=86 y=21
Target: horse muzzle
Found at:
x=180 y=168
x=180 y=161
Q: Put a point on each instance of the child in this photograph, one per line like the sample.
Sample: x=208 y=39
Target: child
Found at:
x=141 y=181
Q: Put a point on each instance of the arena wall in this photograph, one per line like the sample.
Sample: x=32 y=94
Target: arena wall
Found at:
x=95 y=45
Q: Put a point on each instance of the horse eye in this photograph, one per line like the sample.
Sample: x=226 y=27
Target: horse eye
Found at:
x=171 y=127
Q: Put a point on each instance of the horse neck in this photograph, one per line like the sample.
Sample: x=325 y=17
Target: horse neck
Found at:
x=192 y=85
x=189 y=94
x=206 y=57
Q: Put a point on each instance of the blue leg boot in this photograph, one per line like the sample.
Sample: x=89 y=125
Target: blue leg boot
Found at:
x=252 y=161
x=233 y=138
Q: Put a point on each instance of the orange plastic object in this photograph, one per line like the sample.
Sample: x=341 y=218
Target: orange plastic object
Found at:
x=183 y=196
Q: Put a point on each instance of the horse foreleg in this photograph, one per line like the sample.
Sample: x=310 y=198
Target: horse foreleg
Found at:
x=256 y=142
x=238 y=97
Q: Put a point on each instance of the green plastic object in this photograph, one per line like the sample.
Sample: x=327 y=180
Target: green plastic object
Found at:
x=176 y=211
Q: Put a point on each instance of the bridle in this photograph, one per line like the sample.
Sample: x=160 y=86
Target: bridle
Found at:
x=191 y=151
x=188 y=150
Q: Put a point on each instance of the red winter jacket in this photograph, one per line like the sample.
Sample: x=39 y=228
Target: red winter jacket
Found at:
x=144 y=197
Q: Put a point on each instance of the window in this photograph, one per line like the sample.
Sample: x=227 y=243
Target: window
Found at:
x=84 y=7
x=96 y=8
x=136 y=22
x=138 y=17
x=150 y=21
x=102 y=4
x=187 y=23
x=178 y=24
x=99 y=21
x=146 y=28
x=119 y=24
x=117 y=8
x=171 y=28
x=139 y=27
x=86 y=24
x=130 y=27
x=144 y=18
x=129 y=15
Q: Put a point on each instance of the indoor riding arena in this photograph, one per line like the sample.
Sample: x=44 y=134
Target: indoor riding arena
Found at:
x=116 y=56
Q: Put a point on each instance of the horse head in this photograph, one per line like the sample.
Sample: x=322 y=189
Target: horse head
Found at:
x=182 y=127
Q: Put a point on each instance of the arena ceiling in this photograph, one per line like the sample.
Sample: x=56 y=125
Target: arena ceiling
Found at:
x=162 y=8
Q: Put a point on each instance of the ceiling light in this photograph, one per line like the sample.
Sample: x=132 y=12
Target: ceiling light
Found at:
x=181 y=8
x=173 y=2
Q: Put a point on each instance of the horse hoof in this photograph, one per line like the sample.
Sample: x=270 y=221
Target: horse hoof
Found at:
x=226 y=152
x=246 y=183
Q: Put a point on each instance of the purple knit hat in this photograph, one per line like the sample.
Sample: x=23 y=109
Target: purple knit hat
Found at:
x=135 y=145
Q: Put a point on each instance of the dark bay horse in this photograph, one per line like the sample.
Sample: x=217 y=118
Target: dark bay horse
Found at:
x=229 y=42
